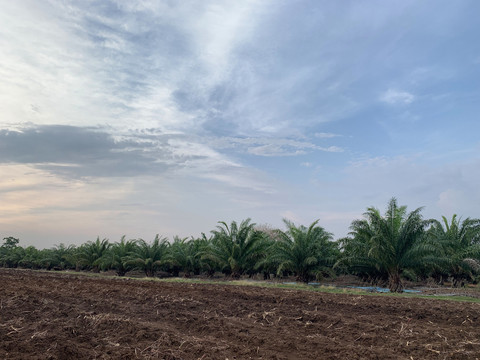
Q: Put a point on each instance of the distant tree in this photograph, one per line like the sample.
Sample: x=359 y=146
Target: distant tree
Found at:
x=11 y=257
x=266 y=264
x=60 y=257
x=118 y=254
x=236 y=248
x=149 y=257
x=203 y=247
x=304 y=251
x=354 y=257
x=92 y=254
x=10 y=242
x=184 y=255
x=31 y=259
x=10 y=253
x=460 y=244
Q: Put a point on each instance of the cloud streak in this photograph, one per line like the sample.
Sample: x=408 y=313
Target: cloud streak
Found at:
x=80 y=152
x=246 y=109
x=392 y=97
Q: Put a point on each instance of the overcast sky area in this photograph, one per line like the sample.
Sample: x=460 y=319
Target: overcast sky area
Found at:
x=143 y=117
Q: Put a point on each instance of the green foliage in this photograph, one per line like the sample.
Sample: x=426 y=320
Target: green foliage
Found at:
x=304 y=251
x=10 y=253
x=392 y=243
x=380 y=249
x=265 y=264
x=117 y=256
x=460 y=245
x=185 y=255
x=203 y=246
x=92 y=254
x=59 y=257
x=31 y=258
x=12 y=257
x=236 y=249
x=148 y=257
x=354 y=257
x=10 y=242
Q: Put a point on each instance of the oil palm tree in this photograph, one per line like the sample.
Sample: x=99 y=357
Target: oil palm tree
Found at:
x=184 y=254
x=31 y=258
x=92 y=254
x=266 y=265
x=202 y=247
x=149 y=257
x=395 y=242
x=460 y=243
x=303 y=250
x=117 y=256
x=11 y=257
x=59 y=257
x=354 y=256
x=236 y=248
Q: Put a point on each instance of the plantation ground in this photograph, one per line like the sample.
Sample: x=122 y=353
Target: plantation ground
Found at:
x=61 y=316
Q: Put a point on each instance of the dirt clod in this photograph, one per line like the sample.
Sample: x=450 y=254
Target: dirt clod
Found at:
x=61 y=316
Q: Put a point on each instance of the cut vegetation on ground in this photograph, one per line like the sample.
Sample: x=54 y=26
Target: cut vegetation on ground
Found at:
x=58 y=316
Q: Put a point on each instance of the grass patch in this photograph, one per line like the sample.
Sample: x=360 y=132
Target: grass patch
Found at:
x=322 y=289
x=267 y=284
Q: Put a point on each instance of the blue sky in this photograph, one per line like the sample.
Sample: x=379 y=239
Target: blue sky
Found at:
x=148 y=117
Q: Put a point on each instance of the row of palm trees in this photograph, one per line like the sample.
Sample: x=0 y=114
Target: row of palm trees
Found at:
x=381 y=249
x=402 y=245
x=233 y=249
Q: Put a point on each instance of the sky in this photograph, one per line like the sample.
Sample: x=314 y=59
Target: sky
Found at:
x=146 y=117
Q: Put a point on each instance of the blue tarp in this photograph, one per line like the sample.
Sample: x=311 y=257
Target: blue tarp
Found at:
x=380 y=289
x=366 y=288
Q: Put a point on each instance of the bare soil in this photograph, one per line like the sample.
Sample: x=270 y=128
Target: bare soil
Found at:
x=61 y=316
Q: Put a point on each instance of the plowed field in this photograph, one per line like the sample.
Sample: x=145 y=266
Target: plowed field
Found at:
x=61 y=316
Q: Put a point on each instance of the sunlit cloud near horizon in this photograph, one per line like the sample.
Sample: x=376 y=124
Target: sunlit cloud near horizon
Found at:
x=145 y=117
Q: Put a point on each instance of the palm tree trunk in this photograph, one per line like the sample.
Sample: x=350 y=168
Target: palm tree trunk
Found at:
x=395 y=282
x=303 y=276
x=149 y=272
x=121 y=272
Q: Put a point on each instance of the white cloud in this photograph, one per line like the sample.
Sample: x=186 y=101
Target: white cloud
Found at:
x=123 y=64
x=393 y=97
x=323 y=135
x=274 y=150
x=184 y=93
x=273 y=146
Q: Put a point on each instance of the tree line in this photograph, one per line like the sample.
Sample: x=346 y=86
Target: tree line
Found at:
x=380 y=249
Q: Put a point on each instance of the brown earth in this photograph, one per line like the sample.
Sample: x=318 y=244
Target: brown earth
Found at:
x=61 y=316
